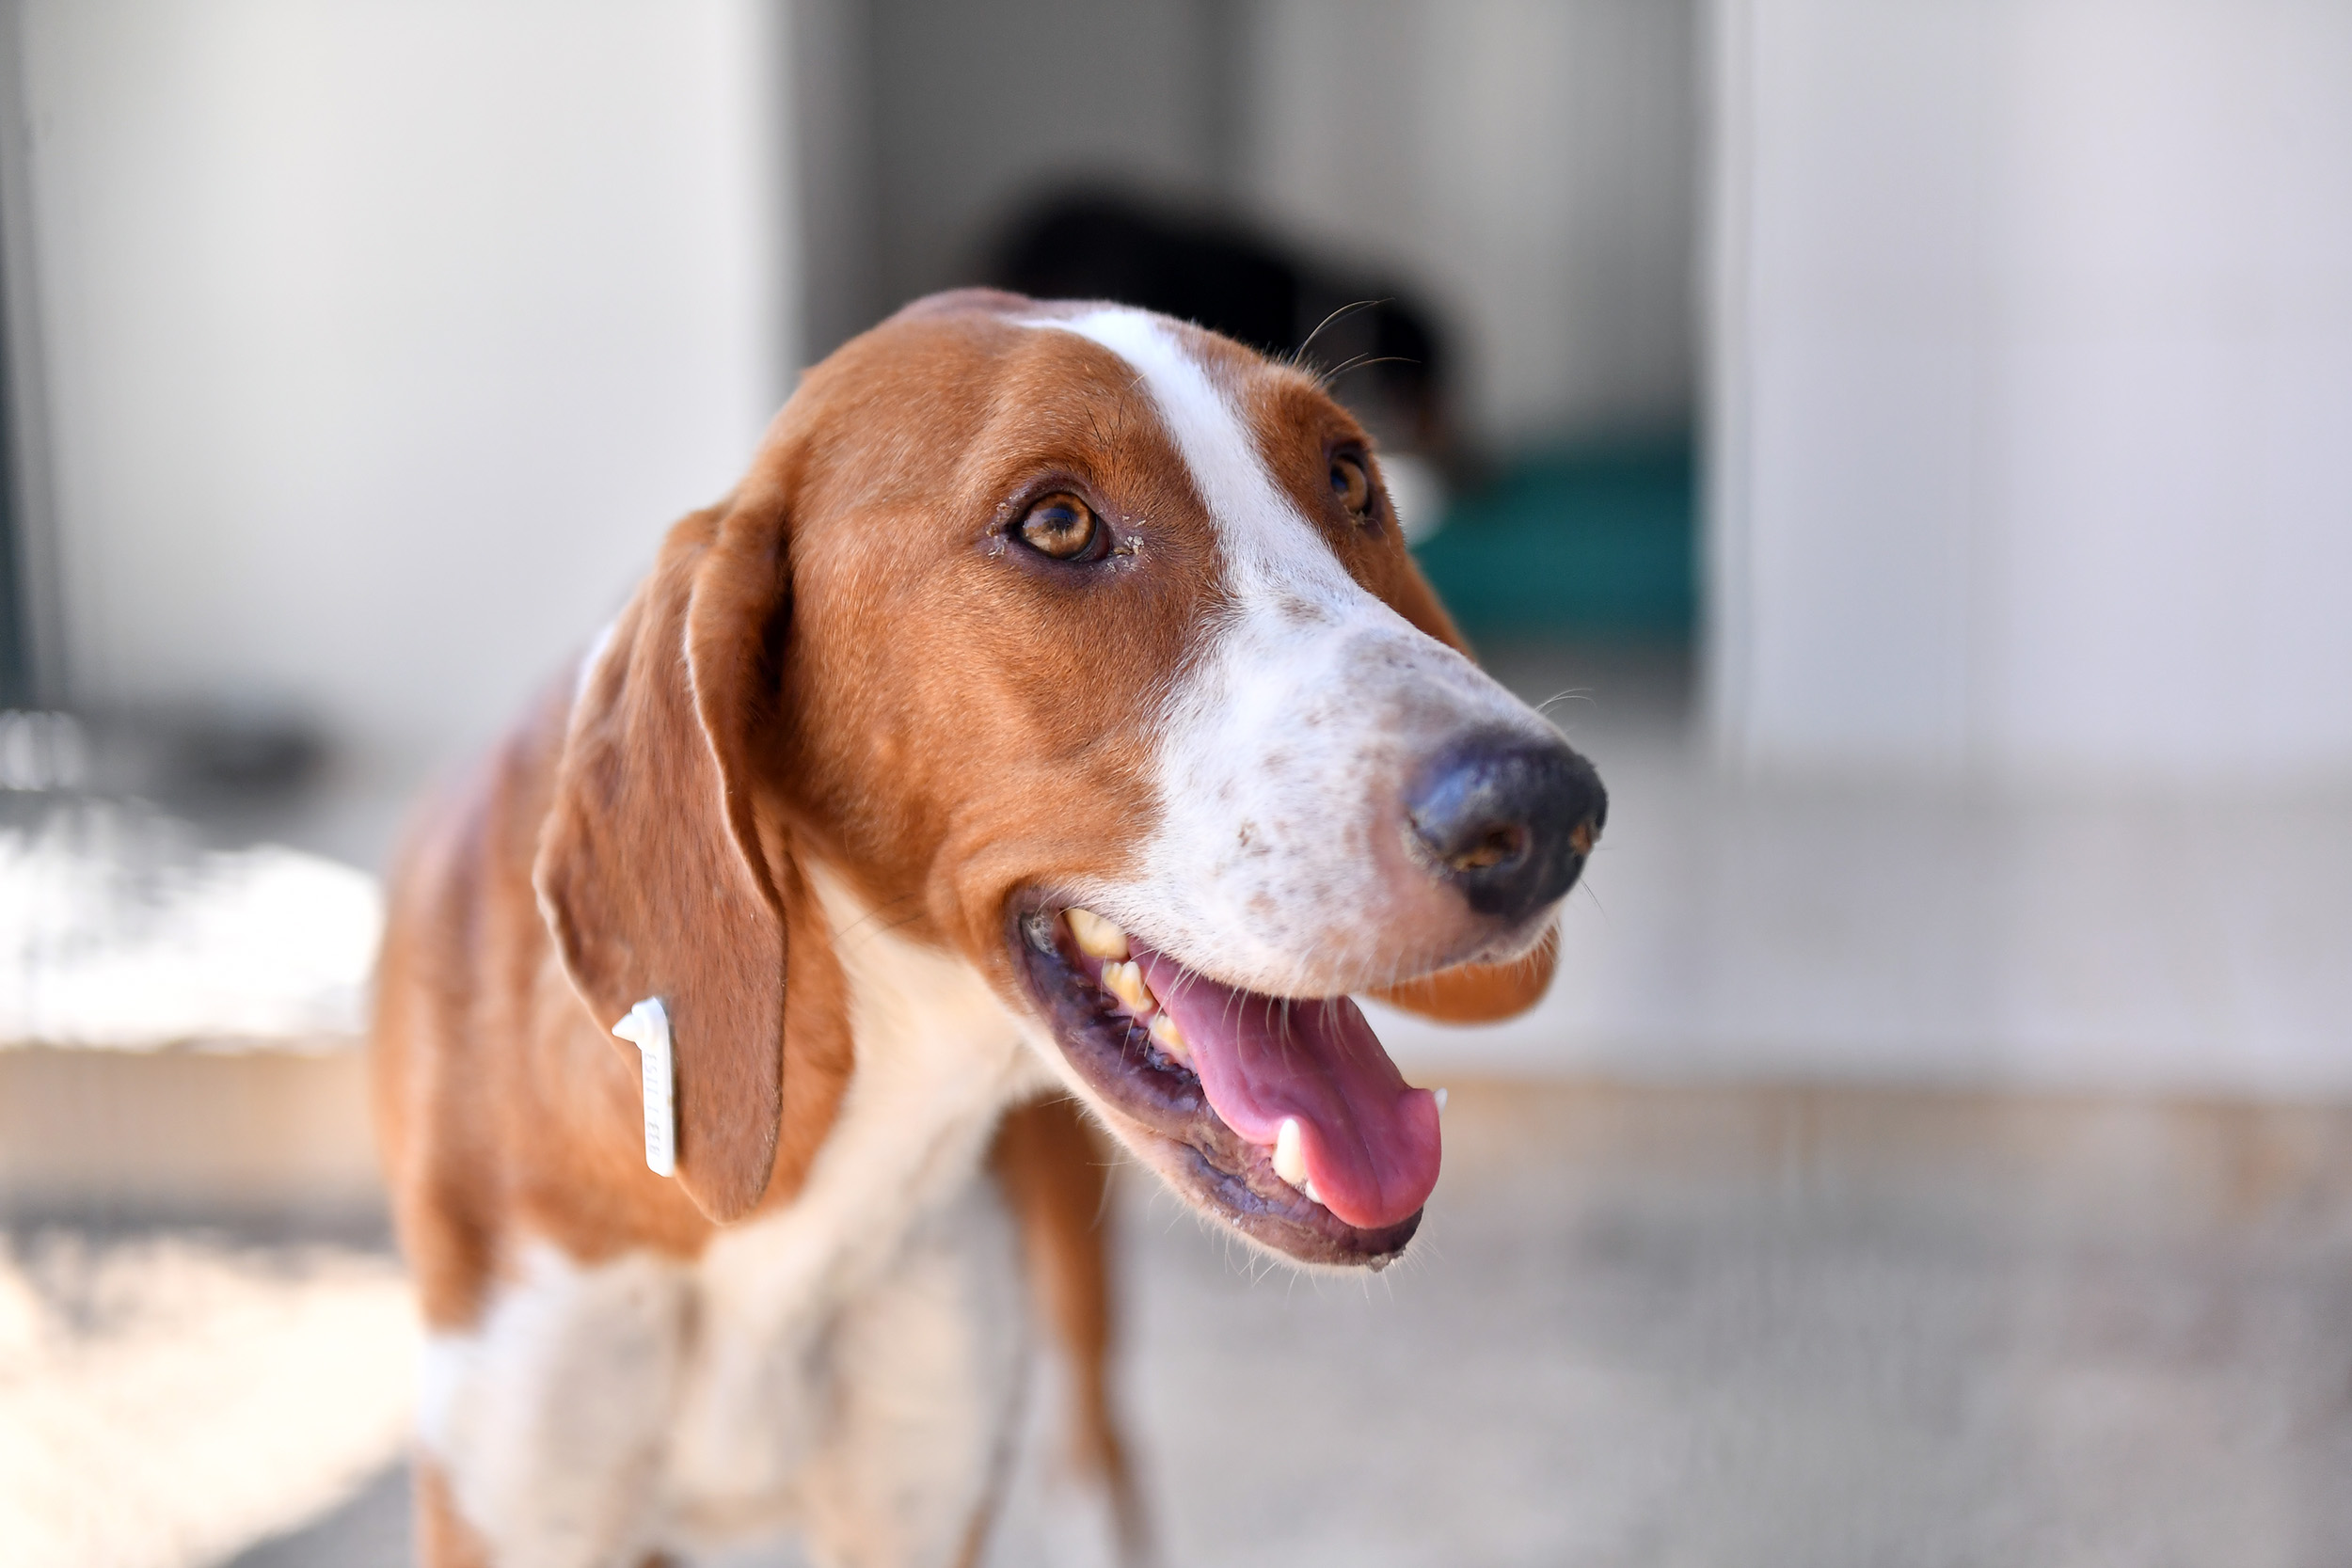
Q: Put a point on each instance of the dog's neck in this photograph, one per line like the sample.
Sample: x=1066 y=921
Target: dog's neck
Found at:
x=939 y=1058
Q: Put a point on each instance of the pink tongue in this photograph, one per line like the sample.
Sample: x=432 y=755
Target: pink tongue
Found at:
x=1370 y=1140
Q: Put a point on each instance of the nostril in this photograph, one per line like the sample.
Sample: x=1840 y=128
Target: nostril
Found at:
x=1498 y=846
x=1507 y=818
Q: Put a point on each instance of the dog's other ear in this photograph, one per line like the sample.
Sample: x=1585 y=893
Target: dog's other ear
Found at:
x=651 y=870
x=1479 y=993
x=1467 y=993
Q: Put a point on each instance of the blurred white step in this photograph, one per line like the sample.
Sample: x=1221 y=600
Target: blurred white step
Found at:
x=117 y=931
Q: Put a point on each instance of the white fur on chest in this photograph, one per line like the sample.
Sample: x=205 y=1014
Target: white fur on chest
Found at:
x=596 y=1412
x=938 y=1058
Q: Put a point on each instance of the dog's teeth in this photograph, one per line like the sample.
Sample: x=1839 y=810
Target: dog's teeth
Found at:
x=1125 y=981
x=1307 y=1189
x=1441 y=1095
x=1171 y=1038
x=1290 y=1153
x=1097 y=938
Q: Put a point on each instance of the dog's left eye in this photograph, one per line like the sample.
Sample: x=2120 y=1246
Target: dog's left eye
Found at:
x=1351 y=484
x=1065 y=528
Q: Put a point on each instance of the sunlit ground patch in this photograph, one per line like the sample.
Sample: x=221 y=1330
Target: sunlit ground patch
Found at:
x=166 y=1399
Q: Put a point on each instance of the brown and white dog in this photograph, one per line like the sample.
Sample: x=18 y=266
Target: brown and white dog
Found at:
x=1053 y=707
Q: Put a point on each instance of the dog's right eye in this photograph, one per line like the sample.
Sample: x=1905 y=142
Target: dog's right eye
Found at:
x=1065 y=528
x=1351 y=484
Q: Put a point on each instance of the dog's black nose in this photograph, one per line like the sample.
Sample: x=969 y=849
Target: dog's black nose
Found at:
x=1508 y=819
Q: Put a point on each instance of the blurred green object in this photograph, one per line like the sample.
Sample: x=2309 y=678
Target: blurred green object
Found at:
x=1581 y=542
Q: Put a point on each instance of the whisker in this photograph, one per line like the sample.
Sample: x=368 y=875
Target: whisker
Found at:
x=1298 y=355
x=1571 y=694
x=1364 y=361
x=845 y=932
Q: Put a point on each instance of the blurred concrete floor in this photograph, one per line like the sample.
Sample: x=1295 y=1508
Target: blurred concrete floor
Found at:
x=1745 y=1327
x=1657 y=1316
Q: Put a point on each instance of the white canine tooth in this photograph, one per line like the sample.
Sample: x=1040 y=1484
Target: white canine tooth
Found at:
x=1097 y=938
x=1290 y=1153
x=1441 y=1094
x=1308 y=1190
x=1125 y=981
x=1171 y=1038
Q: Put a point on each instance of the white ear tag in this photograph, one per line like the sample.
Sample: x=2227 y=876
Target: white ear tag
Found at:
x=649 y=1027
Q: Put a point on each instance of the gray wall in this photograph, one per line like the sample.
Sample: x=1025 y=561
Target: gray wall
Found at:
x=1527 y=166
x=1530 y=164
x=925 y=122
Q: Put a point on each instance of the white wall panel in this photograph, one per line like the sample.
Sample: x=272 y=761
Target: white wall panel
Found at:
x=2033 y=377
x=384 y=339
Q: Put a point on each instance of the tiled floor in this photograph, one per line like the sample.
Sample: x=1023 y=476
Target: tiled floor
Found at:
x=1789 y=1328
x=1729 y=1328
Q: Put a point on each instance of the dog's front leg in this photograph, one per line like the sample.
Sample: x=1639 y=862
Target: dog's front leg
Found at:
x=543 y=1427
x=926 y=1372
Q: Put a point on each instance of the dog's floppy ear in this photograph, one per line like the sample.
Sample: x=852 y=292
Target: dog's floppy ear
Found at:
x=651 y=870
x=1467 y=993
x=1479 y=993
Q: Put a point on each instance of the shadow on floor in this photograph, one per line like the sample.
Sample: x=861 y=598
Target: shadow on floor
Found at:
x=371 y=1530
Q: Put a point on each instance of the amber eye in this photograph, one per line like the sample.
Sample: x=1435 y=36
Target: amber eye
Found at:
x=1351 y=484
x=1063 y=527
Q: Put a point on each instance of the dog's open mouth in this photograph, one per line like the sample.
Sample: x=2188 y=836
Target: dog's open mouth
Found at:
x=1282 y=1114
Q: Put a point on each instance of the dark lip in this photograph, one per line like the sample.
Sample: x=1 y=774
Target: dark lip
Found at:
x=1167 y=1117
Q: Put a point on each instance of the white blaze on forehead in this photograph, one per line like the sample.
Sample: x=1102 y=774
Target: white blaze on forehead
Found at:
x=1277 y=862
x=1267 y=545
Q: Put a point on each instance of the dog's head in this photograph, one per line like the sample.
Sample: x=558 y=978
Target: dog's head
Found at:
x=1081 y=643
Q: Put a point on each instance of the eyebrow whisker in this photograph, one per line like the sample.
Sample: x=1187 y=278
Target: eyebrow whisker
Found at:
x=1299 y=354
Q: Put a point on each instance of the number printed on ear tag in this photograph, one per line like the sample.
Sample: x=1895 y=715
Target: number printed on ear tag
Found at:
x=648 y=1025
